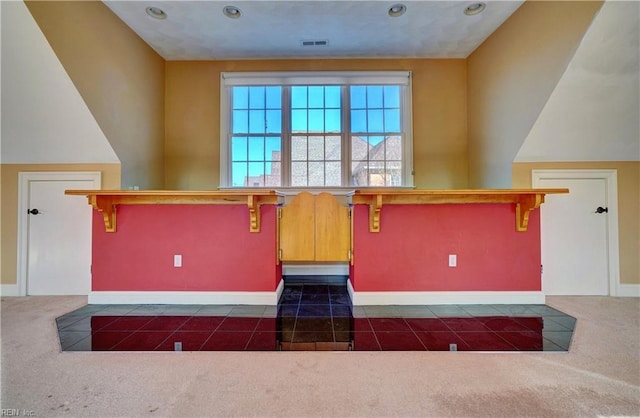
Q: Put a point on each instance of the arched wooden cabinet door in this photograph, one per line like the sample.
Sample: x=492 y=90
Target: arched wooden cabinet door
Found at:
x=333 y=229
x=297 y=229
x=314 y=228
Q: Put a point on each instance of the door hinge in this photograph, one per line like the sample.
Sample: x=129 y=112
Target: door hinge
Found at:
x=349 y=254
x=541 y=269
x=280 y=254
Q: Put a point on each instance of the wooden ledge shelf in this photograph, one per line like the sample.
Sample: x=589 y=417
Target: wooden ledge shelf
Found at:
x=525 y=200
x=106 y=201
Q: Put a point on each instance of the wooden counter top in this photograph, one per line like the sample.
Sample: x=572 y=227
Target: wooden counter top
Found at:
x=525 y=200
x=106 y=201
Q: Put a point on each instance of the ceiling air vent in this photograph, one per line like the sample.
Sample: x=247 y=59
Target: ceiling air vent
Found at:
x=315 y=43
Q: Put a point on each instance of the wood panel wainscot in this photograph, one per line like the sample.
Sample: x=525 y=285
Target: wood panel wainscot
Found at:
x=525 y=200
x=107 y=201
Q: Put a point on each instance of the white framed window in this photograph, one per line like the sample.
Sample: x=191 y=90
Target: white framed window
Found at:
x=316 y=129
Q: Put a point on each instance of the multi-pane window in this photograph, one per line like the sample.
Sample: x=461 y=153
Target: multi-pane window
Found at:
x=344 y=132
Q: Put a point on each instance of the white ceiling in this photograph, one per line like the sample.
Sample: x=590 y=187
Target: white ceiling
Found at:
x=197 y=30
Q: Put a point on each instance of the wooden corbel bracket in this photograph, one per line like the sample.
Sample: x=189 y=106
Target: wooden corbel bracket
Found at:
x=374 y=213
x=106 y=206
x=253 y=202
x=524 y=205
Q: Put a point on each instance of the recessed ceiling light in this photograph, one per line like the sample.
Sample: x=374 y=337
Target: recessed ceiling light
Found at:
x=474 y=9
x=156 y=12
x=231 y=11
x=397 y=10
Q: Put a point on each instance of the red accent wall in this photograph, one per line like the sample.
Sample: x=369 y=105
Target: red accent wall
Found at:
x=411 y=251
x=218 y=251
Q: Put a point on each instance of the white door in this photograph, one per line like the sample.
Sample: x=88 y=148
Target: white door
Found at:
x=576 y=235
x=58 y=233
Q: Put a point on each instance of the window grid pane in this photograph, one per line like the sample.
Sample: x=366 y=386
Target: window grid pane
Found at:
x=256 y=140
x=316 y=160
x=255 y=161
x=256 y=109
x=376 y=161
x=376 y=139
x=316 y=156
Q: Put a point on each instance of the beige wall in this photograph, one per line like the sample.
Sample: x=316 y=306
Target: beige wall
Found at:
x=9 y=205
x=510 y=78
x=192 y=125
x=628 y=206
x=118 y=75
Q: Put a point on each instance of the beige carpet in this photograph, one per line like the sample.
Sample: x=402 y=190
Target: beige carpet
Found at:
x=600 y=376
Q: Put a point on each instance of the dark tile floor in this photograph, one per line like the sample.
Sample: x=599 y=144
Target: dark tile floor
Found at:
x=315 y=316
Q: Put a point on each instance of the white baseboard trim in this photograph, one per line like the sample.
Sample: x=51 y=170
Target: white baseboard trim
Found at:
x=444 y=298
x=350 y=289
x=187 y=298
x=629 y=290
x=315 y=269
x=9 y=290
x=279 y=290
